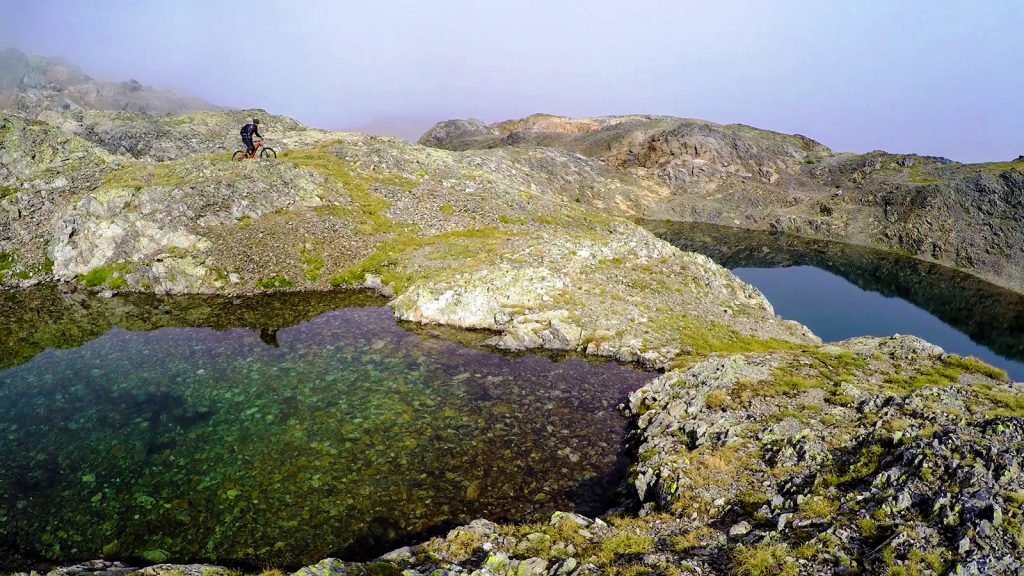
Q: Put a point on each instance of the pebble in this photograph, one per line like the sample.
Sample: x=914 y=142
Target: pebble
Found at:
x=739 y=529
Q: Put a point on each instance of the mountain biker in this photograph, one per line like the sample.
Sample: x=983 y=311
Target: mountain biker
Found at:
x=248 y=131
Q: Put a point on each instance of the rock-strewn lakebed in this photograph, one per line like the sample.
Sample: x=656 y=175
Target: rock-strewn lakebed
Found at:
x=760 y=450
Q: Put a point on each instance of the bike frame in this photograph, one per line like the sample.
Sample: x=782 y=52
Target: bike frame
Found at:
x=256 y=145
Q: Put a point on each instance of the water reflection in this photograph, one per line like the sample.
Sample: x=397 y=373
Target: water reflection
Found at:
x=989 y=315
x=346 y=435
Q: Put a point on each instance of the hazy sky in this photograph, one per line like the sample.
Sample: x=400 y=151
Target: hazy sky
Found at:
x=936 y=77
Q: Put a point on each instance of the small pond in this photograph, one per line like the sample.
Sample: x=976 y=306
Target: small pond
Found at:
x=279 y=430
x=841 y=291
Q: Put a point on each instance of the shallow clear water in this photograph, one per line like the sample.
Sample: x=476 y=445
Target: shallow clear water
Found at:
x=272 y=431
x=841 y=291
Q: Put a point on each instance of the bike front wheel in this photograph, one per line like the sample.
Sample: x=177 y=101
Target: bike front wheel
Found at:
x=238 y=156
x=268 y=153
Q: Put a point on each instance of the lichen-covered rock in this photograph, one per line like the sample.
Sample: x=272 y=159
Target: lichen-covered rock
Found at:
x=539 y=291
x=866 y=446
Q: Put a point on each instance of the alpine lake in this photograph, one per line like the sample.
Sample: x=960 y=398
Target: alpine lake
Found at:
x=279 y=430
x=841 y=291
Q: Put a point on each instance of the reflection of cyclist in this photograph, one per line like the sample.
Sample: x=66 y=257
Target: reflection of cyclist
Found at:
x=248 y=131
x=269 y=337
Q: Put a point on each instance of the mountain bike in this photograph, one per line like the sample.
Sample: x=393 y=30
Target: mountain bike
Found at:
x=264 y=152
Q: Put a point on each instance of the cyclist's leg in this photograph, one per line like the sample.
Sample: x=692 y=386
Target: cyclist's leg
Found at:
x=250 y=149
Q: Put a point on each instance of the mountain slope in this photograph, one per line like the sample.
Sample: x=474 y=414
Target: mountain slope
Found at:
x=32 y=84
x=968 y=216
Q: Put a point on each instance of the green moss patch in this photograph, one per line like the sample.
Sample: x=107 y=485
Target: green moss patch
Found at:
x=112 y=276
x=274 y=283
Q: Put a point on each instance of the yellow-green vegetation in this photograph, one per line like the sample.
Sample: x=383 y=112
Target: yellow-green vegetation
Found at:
x=818 y=507
x=614 y=553
x=463 y=246
x=715 y=471
x=7 y=261
x=973 y=365
x=564 y=530
x=112 y=276
x=463 y=544
x=936 y=376
x=916 y=175
x=868 y=459
x=919 y=562
x=868 y=527
x=842 y=363
x=785 y=382
x=274 y=282
x=763 y=560
x=1002 y=401
x=788 y=384
x=996 y=167
x=625 y=544
x=831 y=372
x=686 y=543
x=716 y=400
x=700 y=339
x=511 y=221
x=834 y=370
x=138 y=175
x=314 y=262
x=6 y=191
x=356 y=183
x=447 y=209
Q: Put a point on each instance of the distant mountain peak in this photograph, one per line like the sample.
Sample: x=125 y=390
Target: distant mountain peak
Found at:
x=33 y=84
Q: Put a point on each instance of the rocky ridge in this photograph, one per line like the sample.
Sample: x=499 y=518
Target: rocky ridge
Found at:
x=967 y=216
x=501 y=240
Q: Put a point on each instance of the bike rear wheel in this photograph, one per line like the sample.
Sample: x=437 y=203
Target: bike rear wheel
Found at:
x=239 y=155
x=268 y=153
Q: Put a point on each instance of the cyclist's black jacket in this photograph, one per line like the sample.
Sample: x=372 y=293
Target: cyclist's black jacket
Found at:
x=249 y=130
